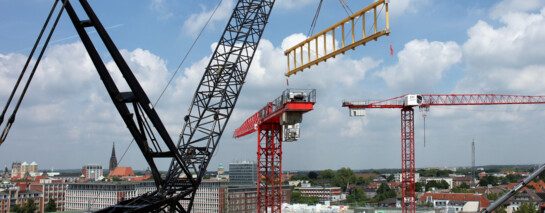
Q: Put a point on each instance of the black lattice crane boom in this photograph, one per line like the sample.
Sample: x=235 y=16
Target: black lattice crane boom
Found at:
x=212 y=105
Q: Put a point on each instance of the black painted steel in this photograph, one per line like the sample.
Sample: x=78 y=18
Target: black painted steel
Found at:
x=211 y=107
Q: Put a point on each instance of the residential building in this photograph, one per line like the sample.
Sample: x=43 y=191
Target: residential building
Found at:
x=93 y=172
x=51 y=191
x=459 y=180
x=98 y=195
x=332 y=194
x=13 y=196
x=300 y=183
x=523 y=196
x=397 y=177
x=210 y=197
x=243 y=174
x=244 y=199
x=456 y=201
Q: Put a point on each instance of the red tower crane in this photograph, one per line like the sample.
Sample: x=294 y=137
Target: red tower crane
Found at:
x=406 y=104
x=275 y=123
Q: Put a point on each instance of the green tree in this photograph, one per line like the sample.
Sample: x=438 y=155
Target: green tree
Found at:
x=343 y=177
x=296 y=197
x=464 y=186
x=51 y=206
x=327 y=174
x=312 y=175
x=488 y=179
x=419 y=187
x=384 y=192
x=526 y=208
x=356 y=196
x=17 y=209
x=30 y=206
x=500 y=209
x=390 y=178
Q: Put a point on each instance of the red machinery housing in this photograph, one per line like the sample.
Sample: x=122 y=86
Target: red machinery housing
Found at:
x=275 y=123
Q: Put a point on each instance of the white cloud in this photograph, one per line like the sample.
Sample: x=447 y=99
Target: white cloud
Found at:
x=291 y=4
x=507 y=58
x=195 y=22
x=513 y=6
x=401 y=7
x=421 y=65
x=161 y=8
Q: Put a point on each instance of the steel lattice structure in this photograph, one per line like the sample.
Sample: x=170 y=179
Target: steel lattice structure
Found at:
x=269 y=122
x=406 y=104
x=211 y=107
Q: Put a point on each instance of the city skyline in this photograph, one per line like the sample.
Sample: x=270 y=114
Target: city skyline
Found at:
x=442 y=47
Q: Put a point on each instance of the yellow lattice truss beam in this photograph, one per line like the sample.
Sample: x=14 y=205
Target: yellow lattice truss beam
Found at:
x=312 y=51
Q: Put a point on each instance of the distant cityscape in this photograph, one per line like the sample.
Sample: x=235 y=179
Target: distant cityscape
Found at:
x=438 y=189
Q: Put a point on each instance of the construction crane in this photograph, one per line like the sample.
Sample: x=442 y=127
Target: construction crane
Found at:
x=406 y=103
x=275 y=123
x=211 y=108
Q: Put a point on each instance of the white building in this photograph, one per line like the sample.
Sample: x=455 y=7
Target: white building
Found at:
x=98 y=195
x=93 y=171
x=397 y=177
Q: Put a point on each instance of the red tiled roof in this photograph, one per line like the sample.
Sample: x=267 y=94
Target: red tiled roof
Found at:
x=122 y=171
x=483 y=202
x=538 y=187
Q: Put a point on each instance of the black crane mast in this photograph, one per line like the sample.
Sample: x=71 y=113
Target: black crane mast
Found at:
x=208 y=114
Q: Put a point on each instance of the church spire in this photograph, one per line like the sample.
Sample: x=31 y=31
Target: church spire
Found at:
x=113 y=160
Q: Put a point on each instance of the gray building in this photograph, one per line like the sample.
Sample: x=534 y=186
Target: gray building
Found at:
x=243 y=174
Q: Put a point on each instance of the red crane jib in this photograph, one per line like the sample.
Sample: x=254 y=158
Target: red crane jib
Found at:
x=449 y=100
x=268 y=115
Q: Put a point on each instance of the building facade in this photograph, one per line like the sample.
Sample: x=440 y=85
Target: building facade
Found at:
x=243 y=174
x=210 y=197
x=51 y=191
x=98 y=195
x=13 y=196
x=244 y=199
x=92 y=171
x=332 y=194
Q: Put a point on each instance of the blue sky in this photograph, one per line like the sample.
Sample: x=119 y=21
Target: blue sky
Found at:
x=465 y=46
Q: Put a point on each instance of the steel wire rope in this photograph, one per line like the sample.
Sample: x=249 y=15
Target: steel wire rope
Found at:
x=27 y=63
x=178 y=68
x=25 y=89
x=315 y=19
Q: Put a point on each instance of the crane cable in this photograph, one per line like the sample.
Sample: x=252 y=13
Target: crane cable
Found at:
x=315 y=19
x=177 y=69
x=23 y=93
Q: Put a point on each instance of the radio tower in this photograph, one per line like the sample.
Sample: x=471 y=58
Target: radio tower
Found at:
x=473 y=161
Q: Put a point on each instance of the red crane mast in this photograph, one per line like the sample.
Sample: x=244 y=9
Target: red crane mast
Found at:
x=406 y=104
x=275 y=123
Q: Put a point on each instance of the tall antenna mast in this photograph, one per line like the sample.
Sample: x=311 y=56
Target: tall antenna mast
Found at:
x=473 y=161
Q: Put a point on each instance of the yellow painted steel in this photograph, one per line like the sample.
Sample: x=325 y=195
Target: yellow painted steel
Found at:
x=329 y=34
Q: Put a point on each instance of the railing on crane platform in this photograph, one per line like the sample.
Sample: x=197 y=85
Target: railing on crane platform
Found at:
x=289 y=95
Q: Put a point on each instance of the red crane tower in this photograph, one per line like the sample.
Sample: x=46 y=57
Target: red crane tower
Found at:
x=275 y=123
x=406 y=104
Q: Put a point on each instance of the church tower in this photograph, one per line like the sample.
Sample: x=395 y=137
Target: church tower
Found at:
x=113 y=160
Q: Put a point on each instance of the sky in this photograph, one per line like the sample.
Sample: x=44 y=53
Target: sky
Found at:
x=440 y=47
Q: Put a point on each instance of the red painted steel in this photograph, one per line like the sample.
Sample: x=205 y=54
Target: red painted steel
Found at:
x=269 y=146
x=407 y=127
x=407 y=161
x=451 y=99
x=269 y=168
